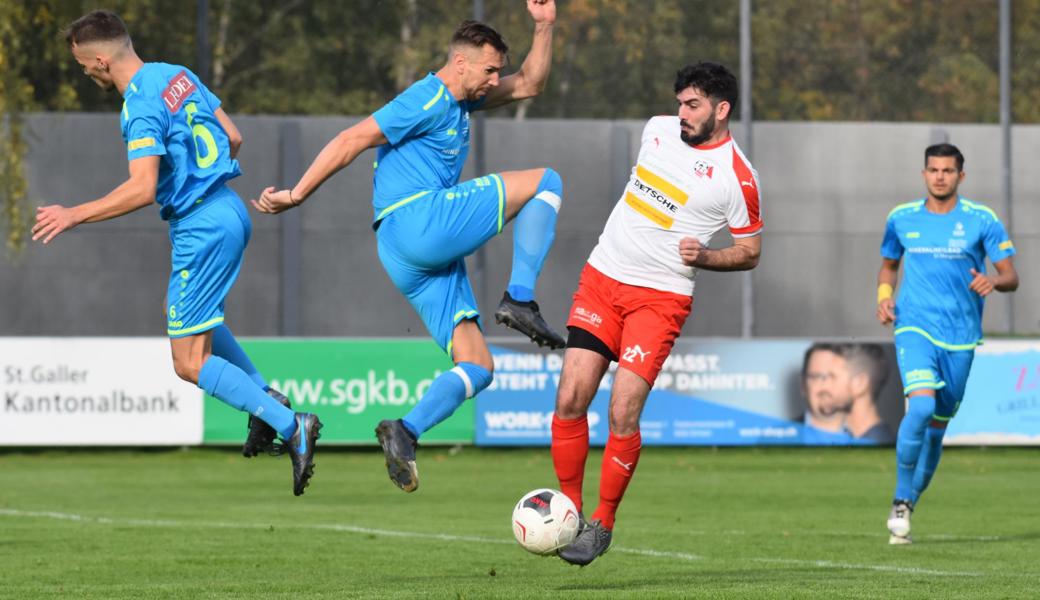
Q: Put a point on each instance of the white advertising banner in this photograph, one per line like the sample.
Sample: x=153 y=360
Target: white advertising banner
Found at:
x=94 y=392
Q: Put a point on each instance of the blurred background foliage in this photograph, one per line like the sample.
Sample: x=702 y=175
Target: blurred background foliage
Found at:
x=829 y=60
x=849 y=60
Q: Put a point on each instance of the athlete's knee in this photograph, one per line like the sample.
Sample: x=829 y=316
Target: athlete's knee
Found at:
x=571 y=403
x=188 y=364
x=187 y=369
x=921 y=408
x=476 y=377
x=550 y=189
x=624 y=420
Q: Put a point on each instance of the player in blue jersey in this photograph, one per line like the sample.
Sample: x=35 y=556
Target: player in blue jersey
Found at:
x=181 y=147
x=945 y=240
x=427 y=222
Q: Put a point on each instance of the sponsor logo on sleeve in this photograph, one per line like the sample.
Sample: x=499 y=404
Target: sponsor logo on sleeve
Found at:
x=137 y=144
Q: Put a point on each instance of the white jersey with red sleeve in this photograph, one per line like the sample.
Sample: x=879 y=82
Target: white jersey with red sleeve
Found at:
x=676 y=191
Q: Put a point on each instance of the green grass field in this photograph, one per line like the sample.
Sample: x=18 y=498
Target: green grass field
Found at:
x=727 y=523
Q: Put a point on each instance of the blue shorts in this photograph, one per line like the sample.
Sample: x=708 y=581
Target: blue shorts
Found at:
x=423 y=244
x=923 y=365
x=207 y=254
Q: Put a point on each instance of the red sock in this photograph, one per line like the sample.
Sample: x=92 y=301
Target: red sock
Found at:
x=570 y=448
x=620 y=458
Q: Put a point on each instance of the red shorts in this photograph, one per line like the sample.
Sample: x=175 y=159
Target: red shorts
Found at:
x=638 y=324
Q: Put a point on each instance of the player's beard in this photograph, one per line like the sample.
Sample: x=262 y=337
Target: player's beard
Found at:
x=951 y=193
x=706 y=130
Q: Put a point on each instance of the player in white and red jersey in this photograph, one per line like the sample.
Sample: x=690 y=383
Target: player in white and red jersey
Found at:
x=690 y=181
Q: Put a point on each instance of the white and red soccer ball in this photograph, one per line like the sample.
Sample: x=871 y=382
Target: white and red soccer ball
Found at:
x=544 y=521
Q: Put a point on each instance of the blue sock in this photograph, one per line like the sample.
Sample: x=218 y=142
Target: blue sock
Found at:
x=230 y=384
x=533 y=235
x=445 y=395
x=908 y=443
x=929 y=461
x=226 y=346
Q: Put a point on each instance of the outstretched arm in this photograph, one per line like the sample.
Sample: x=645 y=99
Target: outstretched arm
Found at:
x=741 y=256
x=337 y=154
x=886 y=280
x=136 y=192
x=530 y=80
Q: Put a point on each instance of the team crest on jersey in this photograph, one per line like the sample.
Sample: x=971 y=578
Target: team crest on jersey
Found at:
x=701 y=168
x=179 y=88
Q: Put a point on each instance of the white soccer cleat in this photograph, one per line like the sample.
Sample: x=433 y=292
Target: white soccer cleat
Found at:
x=899 y=522
x=896 y=540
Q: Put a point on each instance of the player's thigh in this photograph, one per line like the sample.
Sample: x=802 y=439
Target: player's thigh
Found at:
x=206 y=258
x=583 y=370
x=652 y=321
x=520 y=187
x=442 y=298
x=594 y=320
x=434 y=231
x=955 y=367
x=918 y=361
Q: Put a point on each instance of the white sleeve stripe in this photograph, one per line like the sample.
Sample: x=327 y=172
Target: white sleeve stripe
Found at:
x=465 y=379
x=550 y=198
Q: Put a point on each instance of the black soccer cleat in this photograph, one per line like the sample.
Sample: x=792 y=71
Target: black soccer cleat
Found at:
x=300 y=448
x=525 y=318
x=261 y=435
x=593 y=540
x=399 y=448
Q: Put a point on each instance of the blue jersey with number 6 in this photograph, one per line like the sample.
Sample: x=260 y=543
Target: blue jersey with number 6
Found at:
x=168 y=112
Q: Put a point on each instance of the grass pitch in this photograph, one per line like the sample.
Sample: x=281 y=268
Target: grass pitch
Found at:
x=727 y=523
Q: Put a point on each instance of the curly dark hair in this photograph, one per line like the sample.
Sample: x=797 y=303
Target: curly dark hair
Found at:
x=712 y=79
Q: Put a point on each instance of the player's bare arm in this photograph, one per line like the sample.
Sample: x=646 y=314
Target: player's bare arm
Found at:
x=136 y=192
x=530 y=79
x=741 y=256
x=1005 y=280
x=336 y=155
x=887 y=277
x=234 y=136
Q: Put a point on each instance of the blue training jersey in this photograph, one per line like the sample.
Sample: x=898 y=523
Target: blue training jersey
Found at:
x=934 y=299
x=168 y=112
x=428 y=134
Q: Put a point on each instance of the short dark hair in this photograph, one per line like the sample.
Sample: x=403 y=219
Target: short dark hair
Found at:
x=96 y=26
x=944 y=149
x=712 y=79
x=476 y=34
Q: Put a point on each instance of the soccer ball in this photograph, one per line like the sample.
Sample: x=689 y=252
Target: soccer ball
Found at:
x=544 y=521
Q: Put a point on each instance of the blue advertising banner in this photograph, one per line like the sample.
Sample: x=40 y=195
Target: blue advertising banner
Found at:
x=1002 y=402
x=715 y=392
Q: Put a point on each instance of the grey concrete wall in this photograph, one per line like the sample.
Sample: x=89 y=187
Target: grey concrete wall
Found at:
x=827 y=188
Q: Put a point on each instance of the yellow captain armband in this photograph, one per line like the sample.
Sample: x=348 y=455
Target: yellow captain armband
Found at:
x=884 y=292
